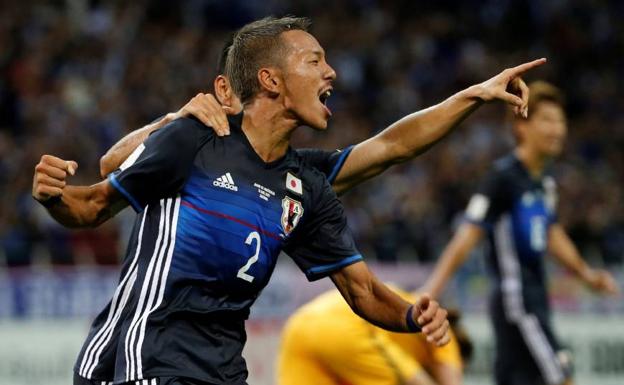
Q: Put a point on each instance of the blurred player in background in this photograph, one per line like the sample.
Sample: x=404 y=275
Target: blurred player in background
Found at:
x=323 y=343
x=515 y=208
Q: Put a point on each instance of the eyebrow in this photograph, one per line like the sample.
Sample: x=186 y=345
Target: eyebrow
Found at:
x=319 y=53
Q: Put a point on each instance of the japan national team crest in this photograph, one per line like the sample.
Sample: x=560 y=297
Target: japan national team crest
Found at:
x=292 y=211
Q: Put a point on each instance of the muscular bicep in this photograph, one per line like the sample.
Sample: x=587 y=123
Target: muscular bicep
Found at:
x=353 y=281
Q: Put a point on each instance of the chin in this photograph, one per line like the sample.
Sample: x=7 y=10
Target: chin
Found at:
x=317 y=123
x=554 y=152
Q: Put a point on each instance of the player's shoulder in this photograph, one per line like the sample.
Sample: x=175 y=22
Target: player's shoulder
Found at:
x=505 y=164
x=189 y=127
x=316 y=180
x=504 y=168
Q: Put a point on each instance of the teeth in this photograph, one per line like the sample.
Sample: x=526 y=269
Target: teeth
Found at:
x=325 y=95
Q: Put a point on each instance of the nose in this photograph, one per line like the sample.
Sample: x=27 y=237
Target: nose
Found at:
x=330 y=73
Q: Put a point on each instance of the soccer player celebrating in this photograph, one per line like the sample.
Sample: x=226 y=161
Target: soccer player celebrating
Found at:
x=215 y=212
x=403 y=140
x=345 y=169
x=515 y=207
x=324 y=343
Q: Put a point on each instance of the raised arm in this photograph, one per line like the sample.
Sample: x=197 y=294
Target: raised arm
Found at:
x=417 y=132
x=453 y=256
x=375 y=302
x=203 y=106
x=561 y=247
x=73 y=206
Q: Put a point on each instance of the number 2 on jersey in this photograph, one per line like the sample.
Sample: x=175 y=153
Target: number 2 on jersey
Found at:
x=242 y=272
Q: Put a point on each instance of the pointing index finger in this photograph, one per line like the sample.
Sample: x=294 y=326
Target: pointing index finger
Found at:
x=527 y=66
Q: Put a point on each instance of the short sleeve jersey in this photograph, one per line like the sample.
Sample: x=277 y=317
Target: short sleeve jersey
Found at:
x=516 y=211
x=213 y=219
x=328 y=162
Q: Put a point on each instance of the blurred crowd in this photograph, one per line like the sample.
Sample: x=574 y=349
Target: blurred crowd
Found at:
x=75 y=76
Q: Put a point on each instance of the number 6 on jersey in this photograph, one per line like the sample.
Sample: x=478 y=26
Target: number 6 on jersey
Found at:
x=242 y=272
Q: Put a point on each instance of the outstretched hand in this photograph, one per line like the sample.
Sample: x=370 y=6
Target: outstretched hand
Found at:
x=602 y=281
x=509 y=87
x=208 y=110
x=432 y=320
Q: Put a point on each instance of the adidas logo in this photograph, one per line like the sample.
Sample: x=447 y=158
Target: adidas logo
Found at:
x=225 y=181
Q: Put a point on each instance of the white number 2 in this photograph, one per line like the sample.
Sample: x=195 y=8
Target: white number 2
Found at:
x=242 y=272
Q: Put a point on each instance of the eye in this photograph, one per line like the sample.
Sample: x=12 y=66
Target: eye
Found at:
x=315 y=62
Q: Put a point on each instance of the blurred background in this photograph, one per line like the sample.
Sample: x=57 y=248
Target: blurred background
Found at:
x=77 y=75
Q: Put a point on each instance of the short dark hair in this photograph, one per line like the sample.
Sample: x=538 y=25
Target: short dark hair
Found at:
x=541 y=91
x=254 y=46
x=223 y=54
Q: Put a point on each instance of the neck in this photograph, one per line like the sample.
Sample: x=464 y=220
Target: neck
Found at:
x=532 y=160
x=268 y=127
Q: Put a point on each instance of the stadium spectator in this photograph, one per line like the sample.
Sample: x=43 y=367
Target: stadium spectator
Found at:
x=63 y=64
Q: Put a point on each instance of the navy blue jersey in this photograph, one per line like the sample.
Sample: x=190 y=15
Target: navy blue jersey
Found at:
x=213 y=219
x=516 y=210
x=329 y=162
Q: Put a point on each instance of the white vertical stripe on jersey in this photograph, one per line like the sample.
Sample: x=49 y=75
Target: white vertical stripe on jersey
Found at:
x=511 y=283
x=162 y=283
x=229 y=178
x=541 y=349
x=124 y=299
x=114 y=312
x=513 y=304
x=133 y=157
x=140 y=305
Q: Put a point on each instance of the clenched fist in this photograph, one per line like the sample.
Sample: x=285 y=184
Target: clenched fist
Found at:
x=50 y=175
x=432 y=320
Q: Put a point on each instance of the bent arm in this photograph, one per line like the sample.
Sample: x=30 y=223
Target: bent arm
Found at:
x=203 y=106
x=375 y=302
x=86 y=206
x=370 y=298
x=453 y=256
x=120 y=151
x=561 y=247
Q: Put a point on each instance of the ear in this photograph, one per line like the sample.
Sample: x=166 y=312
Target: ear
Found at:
x=222 y=90
x=518 y=130
x=270 y=81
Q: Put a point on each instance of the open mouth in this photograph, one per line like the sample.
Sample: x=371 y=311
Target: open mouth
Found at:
x=324 y=96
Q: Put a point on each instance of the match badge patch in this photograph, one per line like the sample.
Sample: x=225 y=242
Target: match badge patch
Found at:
x=292 y=211
x=294 y=184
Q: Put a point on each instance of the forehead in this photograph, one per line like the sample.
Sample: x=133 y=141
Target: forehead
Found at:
x=301 y=42
x=550 y=108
